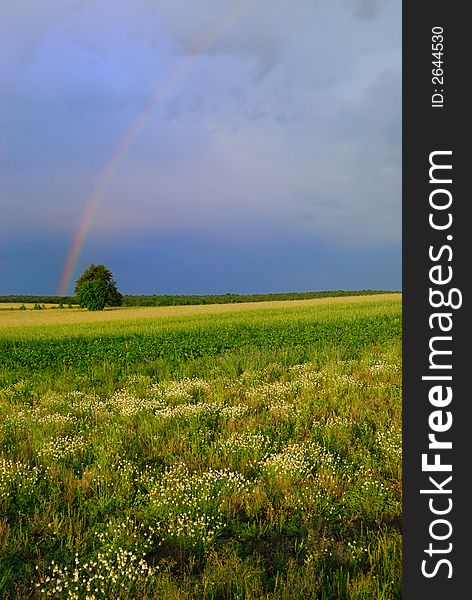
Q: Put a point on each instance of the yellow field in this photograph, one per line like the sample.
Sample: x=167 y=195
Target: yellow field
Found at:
x=27 y=305
x=17 y=318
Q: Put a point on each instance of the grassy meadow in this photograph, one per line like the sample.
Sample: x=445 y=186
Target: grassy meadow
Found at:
x=234 y=451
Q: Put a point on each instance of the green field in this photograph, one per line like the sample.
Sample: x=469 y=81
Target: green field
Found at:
x=246 y=451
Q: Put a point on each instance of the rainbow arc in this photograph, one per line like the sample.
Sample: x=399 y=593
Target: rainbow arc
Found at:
x=110 y=171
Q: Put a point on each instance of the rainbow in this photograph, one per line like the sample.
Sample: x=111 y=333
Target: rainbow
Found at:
x=93 y=202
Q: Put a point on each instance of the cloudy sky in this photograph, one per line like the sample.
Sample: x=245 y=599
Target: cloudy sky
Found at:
x=200 y=146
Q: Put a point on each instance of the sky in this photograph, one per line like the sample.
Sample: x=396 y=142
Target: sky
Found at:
x=200 y=146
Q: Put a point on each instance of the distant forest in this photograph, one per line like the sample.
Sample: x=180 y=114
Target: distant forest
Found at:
x=179 y=300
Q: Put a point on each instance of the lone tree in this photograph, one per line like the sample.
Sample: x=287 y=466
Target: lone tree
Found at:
x=96 y=288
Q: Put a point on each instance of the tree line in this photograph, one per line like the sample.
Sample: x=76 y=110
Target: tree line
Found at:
x=96 y=289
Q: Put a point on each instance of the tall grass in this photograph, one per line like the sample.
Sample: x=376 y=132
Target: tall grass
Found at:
x=262 y=471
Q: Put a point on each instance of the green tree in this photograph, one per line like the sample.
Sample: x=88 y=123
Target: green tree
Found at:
x=96 y=288
x=92 y=295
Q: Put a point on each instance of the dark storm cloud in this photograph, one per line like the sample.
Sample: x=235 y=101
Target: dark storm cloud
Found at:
x=287 y=119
